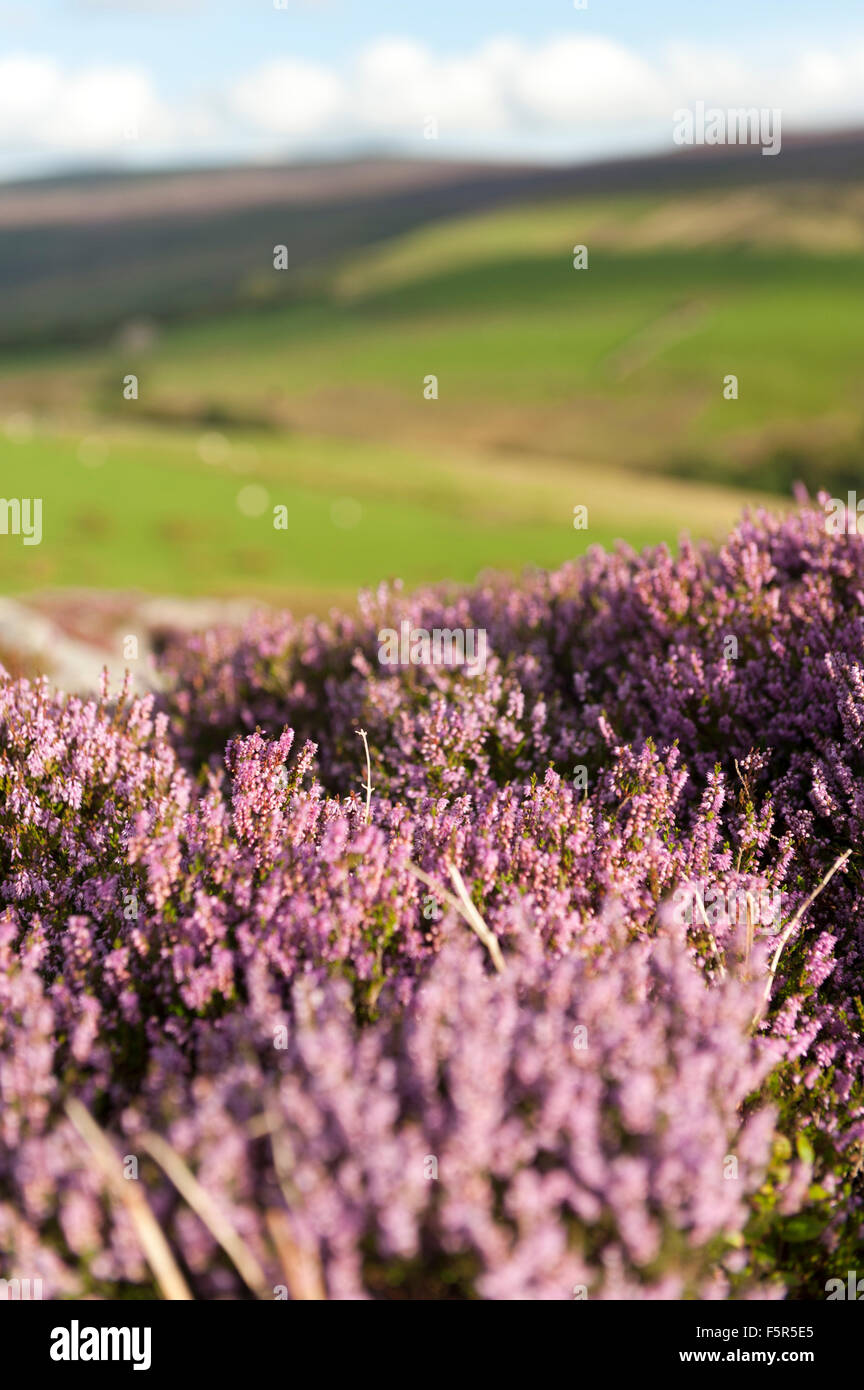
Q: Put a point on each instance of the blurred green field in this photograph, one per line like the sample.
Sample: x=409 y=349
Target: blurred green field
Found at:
x=557 y=387
x=168 y=511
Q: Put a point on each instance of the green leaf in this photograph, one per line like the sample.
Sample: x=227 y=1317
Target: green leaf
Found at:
x=802 y=1228
x=805 y=1149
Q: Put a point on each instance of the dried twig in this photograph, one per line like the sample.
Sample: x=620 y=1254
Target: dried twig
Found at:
x=721 y=968
x=368 y=783
x=465 y=907
x=790 y=927
x=748 y=943
x=153 y=1243
x=208 y=1211
x=271 y=1125
x=302 y=1266
x=489 y=939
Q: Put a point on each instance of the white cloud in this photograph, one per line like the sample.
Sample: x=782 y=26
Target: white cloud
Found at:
x=396 y=82
x=579 y=79
x=290 y=98
x=85 y=112
x=28 y=88
x=581 y=87
x=139 y=7
x=570 y=94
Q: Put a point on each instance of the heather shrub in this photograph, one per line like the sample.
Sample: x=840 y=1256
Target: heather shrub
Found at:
x=580 y=1116
x=203 y=940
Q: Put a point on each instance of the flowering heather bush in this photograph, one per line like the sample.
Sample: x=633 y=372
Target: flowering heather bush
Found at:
x=204 y=943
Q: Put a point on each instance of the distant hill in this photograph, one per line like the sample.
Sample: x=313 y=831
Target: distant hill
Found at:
x=80 y=256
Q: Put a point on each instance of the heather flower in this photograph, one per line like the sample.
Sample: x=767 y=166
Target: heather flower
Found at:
x=201 y=937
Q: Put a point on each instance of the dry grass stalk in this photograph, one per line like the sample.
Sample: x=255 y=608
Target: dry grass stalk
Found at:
x=302 y=1268
x=368 y=783
x=466 y=909
x=790 y=927
x=156 y=1250
x=208 y=1211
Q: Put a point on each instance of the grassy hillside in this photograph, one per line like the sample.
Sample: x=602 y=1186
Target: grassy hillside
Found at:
x=557 y=387
x=80 y=254
x=623 y=363
x=188 y=512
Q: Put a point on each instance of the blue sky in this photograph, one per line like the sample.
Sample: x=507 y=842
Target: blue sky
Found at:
x=233 y=32
x=149 y=81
